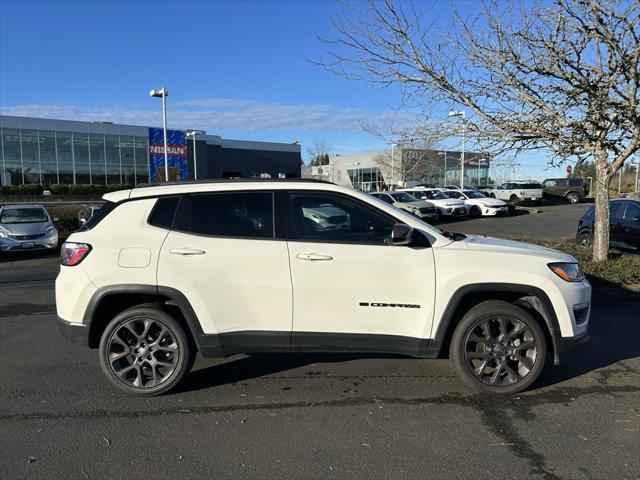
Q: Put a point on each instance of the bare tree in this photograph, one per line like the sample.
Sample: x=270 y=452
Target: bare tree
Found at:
x=318 y=152
x=562 y=75
x=409 y=160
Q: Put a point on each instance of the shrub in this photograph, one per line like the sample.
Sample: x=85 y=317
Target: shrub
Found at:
x=63 y=189
x=26 y=189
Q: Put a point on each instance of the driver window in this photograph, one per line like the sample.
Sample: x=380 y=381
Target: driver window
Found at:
x=324 y=217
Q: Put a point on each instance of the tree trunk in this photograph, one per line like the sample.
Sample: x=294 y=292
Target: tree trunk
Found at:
x=601 y=220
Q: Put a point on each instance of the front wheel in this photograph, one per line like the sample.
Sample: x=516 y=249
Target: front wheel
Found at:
x=513 y=200
x=145 y=352
x=475 y=212
x=498 y=348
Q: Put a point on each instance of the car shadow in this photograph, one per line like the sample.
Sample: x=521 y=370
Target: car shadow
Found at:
x=256 y=365
x=614 y=331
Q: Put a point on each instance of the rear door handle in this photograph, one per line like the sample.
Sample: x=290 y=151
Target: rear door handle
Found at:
x=187 y=251
x=314 y=257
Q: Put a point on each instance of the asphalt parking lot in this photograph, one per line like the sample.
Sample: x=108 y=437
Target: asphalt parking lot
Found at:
x=309 y=416
x=555 y=221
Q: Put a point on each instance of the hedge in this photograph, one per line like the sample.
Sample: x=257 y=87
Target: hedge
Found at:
x=64 y=189
x=26 y=189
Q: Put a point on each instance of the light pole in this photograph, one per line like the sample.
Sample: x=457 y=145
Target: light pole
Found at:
x=193 y=134
x=393 y=171
x=637 y=166
x=590 y=186
x=619 y=180
x=461 y=113
x=444 y=154
x=162 y=92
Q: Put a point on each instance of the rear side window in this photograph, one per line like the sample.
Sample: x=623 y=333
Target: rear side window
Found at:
x=528 y=186
x=575 y=183
x=632 y=211
x=243 y=215
x=98 y=216
x=163 y=212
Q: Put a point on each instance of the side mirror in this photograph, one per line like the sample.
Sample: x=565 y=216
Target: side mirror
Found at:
x=637 y=219
x=55 y=219
x=83 y=221
x=402 y=234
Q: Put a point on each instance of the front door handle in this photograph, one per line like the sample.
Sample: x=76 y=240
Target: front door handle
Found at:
x=187 y=251
x=314 y=257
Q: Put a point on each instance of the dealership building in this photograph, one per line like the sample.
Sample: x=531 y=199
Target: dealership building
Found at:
x=378 y=170
x=47 y=151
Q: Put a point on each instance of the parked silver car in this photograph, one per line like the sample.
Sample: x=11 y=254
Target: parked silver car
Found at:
x=26 y=227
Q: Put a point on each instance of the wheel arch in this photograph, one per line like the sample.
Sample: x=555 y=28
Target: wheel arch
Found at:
x=533 y=299
x=109 y=301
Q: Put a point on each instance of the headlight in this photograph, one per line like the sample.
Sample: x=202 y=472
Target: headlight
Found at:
x=3 y=233
x=48 y=230
x=569 y=272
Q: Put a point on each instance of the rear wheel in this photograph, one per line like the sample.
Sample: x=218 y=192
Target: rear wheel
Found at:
x=498 y=348
x=513 y=200
x=145 y=352
x=573 y=198
x=585 y=239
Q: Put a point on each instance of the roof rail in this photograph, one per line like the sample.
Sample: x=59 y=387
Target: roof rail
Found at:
x=236 y=180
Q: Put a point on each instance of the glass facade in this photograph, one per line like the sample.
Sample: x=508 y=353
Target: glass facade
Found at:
x=48 y=157
x=367 y=179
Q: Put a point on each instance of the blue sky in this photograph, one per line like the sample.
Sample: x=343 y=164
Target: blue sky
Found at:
x=237 y=69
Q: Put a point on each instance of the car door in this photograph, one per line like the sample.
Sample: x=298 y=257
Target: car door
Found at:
x=616 y=227
x=226 y=256
x=353 y=289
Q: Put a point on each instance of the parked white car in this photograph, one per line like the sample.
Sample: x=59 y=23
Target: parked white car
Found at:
x=518 y=192
x=478 y=204
x=404 y=201
x=228 y=267
x=447 y=207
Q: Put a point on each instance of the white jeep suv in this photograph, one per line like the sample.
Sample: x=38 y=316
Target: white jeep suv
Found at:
x=226 y=267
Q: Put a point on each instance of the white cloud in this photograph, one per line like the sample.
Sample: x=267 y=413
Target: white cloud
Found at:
x=220 y=114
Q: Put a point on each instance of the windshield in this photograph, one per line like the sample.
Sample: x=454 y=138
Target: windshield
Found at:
x=473 y=194
x=24 y=215
x=454 y=194
x=434 y=195
x=403 y=197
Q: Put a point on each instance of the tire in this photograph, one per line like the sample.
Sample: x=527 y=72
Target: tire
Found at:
x=475 y=212
x=513 y=200
x=492 y=195
x=152 y=351
x=585 y=239
x=489 y=362
x=573 y=198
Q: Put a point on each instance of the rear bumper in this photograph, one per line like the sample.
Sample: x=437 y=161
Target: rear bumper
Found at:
x=73 y=332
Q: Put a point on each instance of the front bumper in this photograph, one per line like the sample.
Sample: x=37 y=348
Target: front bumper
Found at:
x=45 y=242
x=486 y=211
x=453 y=211
x=73 y=332
x=567 y=344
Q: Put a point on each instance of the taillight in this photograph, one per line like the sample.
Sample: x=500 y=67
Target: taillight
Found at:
x=73 y=253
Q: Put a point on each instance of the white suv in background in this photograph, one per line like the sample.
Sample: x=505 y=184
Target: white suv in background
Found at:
x=518 y=192
x=226 y=267
x=479 y=204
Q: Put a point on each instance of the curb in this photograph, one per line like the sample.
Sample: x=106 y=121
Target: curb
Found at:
x=531 y=210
